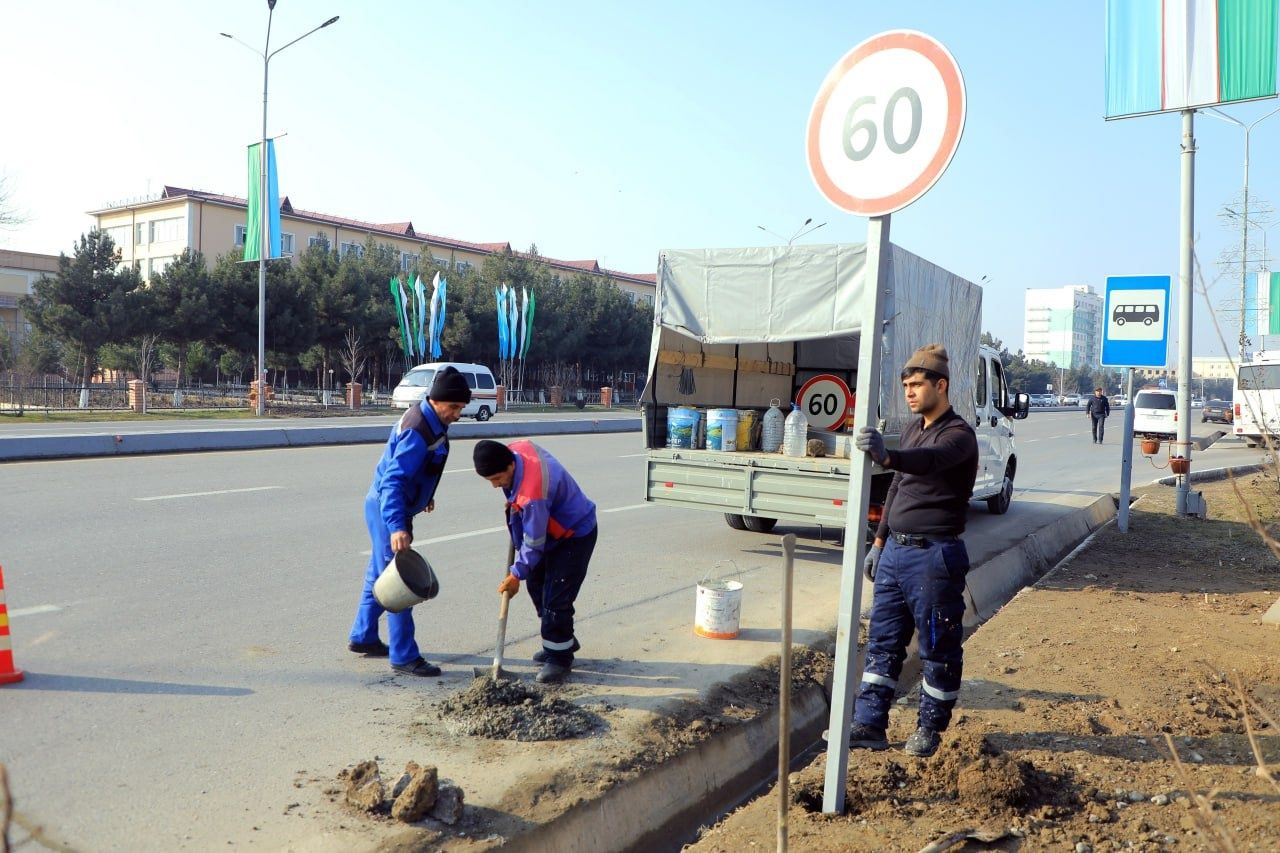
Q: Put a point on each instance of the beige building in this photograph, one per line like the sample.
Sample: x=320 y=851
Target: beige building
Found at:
x=1202 y=367
x=153 y=231
x=18 y=271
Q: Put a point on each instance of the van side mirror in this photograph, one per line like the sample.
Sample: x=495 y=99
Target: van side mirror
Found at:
x=1021 y=406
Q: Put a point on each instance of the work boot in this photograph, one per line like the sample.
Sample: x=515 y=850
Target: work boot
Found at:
x=421 y=666
x=862 y=736
x=553 y=673
x=923 y=742
x=540 y=656
x=375 y=649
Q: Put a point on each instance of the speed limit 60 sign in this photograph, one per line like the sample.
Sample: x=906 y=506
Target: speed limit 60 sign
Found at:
x=825 y=400
x=886 y=122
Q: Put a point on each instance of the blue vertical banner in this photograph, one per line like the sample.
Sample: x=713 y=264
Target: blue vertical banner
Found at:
x=253 y=214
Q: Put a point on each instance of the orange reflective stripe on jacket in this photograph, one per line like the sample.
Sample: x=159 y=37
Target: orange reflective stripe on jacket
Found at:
x=535 y=485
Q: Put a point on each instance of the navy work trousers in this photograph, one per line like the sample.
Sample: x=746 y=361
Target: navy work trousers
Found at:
x=917 y=590
x=404 y=647
x=1099 y=426
x=553 y=586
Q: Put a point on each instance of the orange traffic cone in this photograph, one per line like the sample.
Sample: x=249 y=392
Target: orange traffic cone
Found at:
x=8 y=672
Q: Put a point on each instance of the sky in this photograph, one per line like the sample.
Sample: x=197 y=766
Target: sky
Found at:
x=613 y=130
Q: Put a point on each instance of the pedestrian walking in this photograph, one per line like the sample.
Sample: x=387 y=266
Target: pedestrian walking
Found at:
x=404 y=484
x=918 y=561
x=553 y=527
x=1098 y=409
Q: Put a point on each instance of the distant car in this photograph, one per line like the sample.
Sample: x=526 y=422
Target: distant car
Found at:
x=1119 y=400
x=1218 y=411
x=1084 y=400
x=416 y=383
x=1070 y=399
x=1042 y=400
x=1155 y=414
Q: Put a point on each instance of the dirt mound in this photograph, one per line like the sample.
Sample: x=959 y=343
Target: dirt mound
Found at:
x=510 y=710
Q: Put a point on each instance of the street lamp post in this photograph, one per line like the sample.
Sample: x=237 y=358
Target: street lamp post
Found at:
x=264 y=218
x=1244 y=219
x=800 y=232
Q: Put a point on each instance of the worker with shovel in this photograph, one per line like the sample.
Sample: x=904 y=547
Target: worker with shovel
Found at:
x=404 y=484
x=553 y=529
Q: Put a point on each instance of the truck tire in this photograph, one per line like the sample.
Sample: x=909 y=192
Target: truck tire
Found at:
x=759 y=524
x=999 y=504
x=735 y=521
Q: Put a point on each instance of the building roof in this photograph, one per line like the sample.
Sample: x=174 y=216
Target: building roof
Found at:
x=403 y=230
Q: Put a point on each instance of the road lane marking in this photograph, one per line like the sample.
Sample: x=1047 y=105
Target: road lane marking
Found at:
x=204 y=494
x=486 y=531
x=32 y=611
x=625 y=508
x=632 y=455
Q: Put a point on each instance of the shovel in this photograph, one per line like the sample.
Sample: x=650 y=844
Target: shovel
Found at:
x=495 y=672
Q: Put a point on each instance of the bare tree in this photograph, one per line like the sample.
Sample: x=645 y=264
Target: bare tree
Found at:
x=9 y=215
x=352 y=354
x=146 y=358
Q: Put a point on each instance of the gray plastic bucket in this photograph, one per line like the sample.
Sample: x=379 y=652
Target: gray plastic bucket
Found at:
x=407 y=580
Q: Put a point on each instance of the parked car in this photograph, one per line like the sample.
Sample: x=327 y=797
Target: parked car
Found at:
x=1070 y=400
x=415 y=384
x=1119 y=400
x=1218 y=411
x=1155 y=414
x=1042 y=400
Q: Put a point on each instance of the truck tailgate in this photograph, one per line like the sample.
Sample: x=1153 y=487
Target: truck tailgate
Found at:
x=810 y=490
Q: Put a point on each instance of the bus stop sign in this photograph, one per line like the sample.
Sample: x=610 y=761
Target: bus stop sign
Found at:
x=1135 y=321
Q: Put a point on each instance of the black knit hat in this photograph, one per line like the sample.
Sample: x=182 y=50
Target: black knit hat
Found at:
x=450 y=387
x=491 y=457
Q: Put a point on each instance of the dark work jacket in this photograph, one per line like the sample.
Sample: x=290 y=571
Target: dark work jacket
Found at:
x=936 y=468
x=1098 y=407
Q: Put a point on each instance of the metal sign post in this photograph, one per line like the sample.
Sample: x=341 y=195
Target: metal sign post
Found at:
x=883 y=128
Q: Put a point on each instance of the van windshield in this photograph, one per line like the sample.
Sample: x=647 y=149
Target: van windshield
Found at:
x=1155 y=401
x=1259 y=377
x=419 y=378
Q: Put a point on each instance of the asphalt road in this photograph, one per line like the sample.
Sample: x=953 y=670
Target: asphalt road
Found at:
x=183 y=618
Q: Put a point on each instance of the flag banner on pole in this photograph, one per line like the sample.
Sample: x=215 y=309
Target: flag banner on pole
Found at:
x=406 y=310
x=500 y=295
x=444 y=299
x=1180 y=54
x=1273 y=305
x=528 y=323
x=524 y=312
x=253 y=215
x=432 y=341
x=513 y=324
x=420 y=330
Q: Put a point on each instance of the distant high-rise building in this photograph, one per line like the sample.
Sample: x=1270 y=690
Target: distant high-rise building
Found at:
x=1063 y=326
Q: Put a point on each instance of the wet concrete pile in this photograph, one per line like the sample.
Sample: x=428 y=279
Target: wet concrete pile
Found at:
x=510 y=710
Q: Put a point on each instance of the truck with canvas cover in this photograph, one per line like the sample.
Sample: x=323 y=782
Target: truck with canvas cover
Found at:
x=737 y=329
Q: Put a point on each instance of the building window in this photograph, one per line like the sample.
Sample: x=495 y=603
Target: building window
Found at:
x=462 y=266
x=166 y=229
x=239 y=235
x=408 y=261
x=443 y=263
x=286 y=244
x=318 y=240
x=119 y=235
x=345 y=249
x=140 y=233
x=648 y=298
x=156 y=266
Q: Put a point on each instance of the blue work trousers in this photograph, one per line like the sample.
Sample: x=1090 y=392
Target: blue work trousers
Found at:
x=553 y=586
x=917 y=590
x=404 y=648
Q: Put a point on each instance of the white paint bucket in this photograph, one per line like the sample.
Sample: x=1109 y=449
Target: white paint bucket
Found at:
x=719 y=609
x=722 y=429
x=407 y=580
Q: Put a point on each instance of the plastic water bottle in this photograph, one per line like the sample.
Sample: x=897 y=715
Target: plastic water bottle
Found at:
x=795 y=432
x=771 y=428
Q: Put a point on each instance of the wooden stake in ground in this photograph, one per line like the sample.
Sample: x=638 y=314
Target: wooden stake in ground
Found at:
x=784 y=691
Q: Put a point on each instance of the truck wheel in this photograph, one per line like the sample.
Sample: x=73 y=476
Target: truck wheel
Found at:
x=735 y=521
x=999 y=504
x=759 y=524
x=483 y=414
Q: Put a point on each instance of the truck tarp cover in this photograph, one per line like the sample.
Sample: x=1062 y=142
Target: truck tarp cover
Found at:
x=781 y=295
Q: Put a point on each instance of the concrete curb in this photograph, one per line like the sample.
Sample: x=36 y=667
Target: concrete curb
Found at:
x=19 y=448
x=1211 y=475
x=994 y=583
x=672 y=800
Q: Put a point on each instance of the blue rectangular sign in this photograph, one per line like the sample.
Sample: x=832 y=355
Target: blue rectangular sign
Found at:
x=1135 y=321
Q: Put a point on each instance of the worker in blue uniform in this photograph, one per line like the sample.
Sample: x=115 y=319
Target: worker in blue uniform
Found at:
x=553 y=528
x=918 y=561
x=404 y=484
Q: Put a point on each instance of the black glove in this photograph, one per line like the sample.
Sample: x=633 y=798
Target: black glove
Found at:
x=870 y=441
x=871 y=562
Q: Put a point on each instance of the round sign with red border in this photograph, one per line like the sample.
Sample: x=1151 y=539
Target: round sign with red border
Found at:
x=886 y=122
x=825 y=401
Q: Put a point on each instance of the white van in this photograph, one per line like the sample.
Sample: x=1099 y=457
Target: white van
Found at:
x=416 y=383
x=1155 y=414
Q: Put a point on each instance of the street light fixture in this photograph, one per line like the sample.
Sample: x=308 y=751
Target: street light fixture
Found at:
x=800 y=232
x=264 y=226
x=1244 y=217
